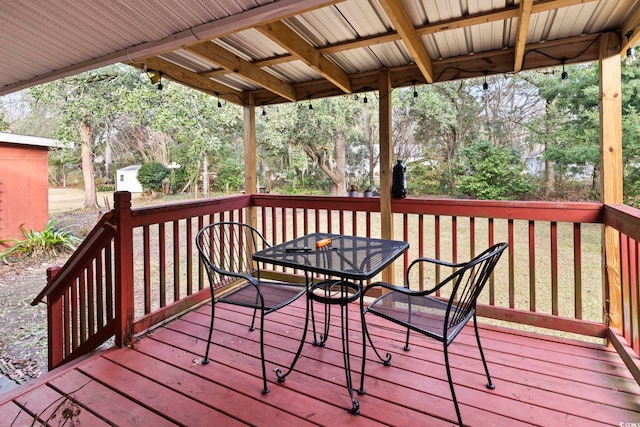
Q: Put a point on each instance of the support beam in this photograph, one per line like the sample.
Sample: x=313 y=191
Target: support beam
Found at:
x=250 y=157
x=386 y=160
x=184 y=76
x=289 y=40
x=233 y=63
x=400 y=19
x=524 y=15
x=611 y=161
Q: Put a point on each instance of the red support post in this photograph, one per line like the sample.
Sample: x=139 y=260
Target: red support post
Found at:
x=123 y=269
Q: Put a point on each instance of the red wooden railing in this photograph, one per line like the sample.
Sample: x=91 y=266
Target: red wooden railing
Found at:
x=139 y=267
x=626 y=220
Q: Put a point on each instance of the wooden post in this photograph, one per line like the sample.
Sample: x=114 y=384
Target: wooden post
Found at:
x=611 y=161
x=386 y=163
x=124 y=269
x=250 y=162
x=55 y=324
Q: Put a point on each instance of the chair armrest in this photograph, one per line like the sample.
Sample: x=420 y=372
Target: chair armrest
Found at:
x=435 y=261
x=388 y=286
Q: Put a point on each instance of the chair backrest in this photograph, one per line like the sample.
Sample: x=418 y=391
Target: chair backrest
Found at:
x=226 y=250
x=467 y=283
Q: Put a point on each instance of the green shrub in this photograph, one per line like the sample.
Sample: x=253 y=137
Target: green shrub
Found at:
x=48 y=242
x=106 y=188
x=492 y=173
x=151 y=175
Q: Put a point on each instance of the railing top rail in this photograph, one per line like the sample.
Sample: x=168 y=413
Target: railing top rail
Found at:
x=624 y=218
x=181 y=210
x=540 y=211
x=103 y=231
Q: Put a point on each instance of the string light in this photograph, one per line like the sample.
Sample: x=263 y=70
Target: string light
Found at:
x=264 y=111
x=415 y=92
x=310 y=104
x=365 y=100
x=564 y=76
x=155 y=77
x=219 y=103
x=631 y=54
x=485 y=85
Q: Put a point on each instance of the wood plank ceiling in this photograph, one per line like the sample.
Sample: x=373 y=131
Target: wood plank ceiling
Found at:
x=291 y=50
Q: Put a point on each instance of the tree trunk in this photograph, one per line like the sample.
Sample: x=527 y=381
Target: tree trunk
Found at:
x=339 y=182
x=205 y=177
x=335 y=172
x=90 y=197
x=550 y=177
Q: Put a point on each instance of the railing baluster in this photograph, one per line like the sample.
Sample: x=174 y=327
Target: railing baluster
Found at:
x=162 y=267
x=189 y=248
x=492 y=280
x=634 y=302
x=627 y=248
x=512 y=280
x=73 y=308
x=454 y=238
x=577 y=270
x=554 y=268
x=91 y=329
x=176 y=261
x=67 y=304
x=146 y=245
x=532 y=265
x=100 y=306
x=437 y=255
x=82 y=308
x=472 y=237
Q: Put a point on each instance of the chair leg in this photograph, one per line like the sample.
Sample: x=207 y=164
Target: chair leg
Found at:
x=490 y=384
x=406 y=343
x=206 y=354
x=386 y=360
x=253 y=320
x=453 y=392
x=265 y=388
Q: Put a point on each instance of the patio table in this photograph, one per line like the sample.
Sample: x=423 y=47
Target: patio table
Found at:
x=343 y=265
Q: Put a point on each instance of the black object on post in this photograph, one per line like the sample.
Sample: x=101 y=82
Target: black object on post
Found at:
x=399 y=181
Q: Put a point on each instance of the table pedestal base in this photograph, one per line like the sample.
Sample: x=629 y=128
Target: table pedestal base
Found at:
x=330 y=293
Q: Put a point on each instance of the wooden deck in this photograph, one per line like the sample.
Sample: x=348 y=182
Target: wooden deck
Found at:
x=539 y=381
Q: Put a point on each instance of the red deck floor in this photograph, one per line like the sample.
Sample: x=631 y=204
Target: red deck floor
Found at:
x=539 y=380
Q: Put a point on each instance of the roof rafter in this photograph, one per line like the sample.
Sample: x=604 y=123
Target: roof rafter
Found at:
x=400 y=19
x=539 y=55
x=456 y=23
x=233 y=63
x=524 y=17
x=289 y=40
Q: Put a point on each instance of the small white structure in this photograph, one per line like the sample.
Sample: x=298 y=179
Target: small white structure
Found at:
x=127 y=179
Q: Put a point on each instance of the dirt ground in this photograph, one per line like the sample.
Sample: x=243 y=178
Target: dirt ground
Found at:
x=23 y=332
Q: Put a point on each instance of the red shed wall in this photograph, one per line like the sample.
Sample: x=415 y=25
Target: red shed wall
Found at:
x=24 y=197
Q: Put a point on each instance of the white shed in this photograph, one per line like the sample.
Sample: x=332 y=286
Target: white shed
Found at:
x=127 y=179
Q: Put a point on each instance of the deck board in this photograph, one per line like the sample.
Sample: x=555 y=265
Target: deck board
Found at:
x=160 y=381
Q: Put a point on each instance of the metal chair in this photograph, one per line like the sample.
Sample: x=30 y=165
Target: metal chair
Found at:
x=226 y=250
x=436 y=317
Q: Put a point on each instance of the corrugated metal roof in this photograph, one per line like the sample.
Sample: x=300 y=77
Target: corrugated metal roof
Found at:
x=325 y=47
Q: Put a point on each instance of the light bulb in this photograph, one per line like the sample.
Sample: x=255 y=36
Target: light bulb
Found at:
x=631 y=56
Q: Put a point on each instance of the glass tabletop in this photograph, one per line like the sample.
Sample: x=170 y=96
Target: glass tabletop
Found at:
x=350 y=257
